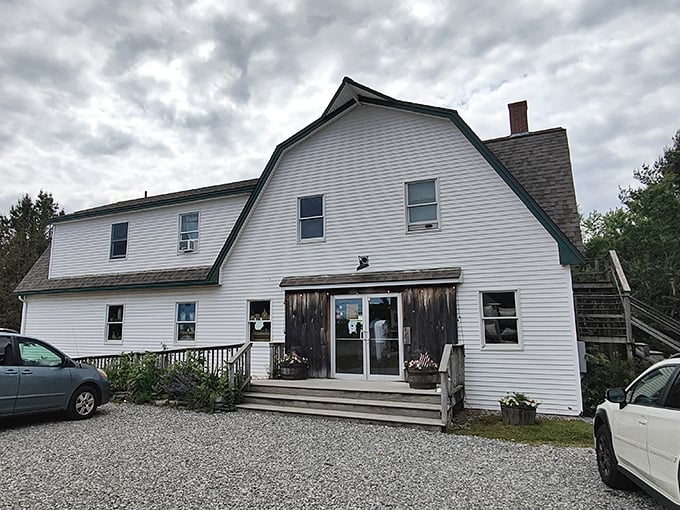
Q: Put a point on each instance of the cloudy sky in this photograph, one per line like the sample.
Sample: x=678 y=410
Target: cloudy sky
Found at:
x=102 y=100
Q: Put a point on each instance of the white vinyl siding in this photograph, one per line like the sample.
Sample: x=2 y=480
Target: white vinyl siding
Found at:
x=82 y=247
x=484 y=228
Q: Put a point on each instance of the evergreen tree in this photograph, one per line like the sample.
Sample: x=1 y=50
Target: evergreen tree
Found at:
x=24 y=235
x=645 y=232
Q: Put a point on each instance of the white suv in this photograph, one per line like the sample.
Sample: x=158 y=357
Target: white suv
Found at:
x=637 y=433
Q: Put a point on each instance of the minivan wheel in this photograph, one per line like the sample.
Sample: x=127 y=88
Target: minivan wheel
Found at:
x=83 y=403
x=606 y=462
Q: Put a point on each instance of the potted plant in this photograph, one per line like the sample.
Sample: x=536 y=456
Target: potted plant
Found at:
x=293 y=366
x=518 y=409
x=423 y=372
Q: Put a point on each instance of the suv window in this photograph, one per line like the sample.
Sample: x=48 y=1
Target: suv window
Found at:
x=648 y=390
x=673 y=399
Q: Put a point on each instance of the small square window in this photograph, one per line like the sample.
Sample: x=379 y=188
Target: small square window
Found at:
x=500 y=318
x=422 y=208
x=259 y=321
x=310 y=218
x=185 y=322
x=114 y=323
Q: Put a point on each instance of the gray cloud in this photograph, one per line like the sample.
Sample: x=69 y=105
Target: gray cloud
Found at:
x=171 y=95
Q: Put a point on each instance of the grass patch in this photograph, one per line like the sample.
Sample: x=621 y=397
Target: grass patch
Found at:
x=555 y=432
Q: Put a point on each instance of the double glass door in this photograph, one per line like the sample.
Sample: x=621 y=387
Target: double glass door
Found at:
x=367 y=337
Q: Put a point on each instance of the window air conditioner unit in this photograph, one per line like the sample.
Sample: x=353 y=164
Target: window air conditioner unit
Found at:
x=187 y=245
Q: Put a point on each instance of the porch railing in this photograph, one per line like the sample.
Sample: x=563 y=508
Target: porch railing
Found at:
x=276 y=352
x=238 y=367
x=214 y=357
x=452 y=374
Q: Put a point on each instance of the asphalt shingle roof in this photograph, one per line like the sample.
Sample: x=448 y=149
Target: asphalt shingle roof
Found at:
x=540 y=162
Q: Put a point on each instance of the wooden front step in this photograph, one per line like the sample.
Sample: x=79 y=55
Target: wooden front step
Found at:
x=397 y=405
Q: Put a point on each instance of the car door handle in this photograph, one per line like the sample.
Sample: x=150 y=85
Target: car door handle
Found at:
x=642 y=421
x=11 y=371
x=26 y=371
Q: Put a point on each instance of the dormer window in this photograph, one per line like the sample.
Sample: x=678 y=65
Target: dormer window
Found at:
x=310 y=218
x=119 y=236
x=422 y=208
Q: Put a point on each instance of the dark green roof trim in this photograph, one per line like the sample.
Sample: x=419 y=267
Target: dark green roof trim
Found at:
x=213 y=275
x=103 y=288
x=568 y=253
x=153 y=203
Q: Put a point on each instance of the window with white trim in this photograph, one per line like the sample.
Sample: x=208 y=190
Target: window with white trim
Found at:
x=119 y=238
x=185 y=322
x=188 y=232
x=422 y=207
x=259 y=321
x=500 y=318
x=114 y=323
x=310 y=218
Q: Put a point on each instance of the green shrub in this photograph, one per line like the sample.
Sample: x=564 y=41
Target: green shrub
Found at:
x=144 y=378
x=120 y=374
x=603 y=373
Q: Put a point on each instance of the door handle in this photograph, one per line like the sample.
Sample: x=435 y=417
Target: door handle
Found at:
x=11 y=371
x=642 y=421
x=26 y=371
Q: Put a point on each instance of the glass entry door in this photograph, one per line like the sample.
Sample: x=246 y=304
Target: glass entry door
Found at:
x=367 y=337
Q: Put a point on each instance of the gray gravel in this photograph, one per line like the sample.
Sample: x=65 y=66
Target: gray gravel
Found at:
x=133 y=457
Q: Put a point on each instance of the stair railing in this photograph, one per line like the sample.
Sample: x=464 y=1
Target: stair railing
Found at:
x=659 y=319
x=452 y=377
x=621 y=282
x=238 y=367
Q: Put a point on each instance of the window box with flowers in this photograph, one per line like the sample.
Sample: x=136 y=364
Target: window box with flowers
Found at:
x=293 y=366
x=423 y=372
x=518 y=409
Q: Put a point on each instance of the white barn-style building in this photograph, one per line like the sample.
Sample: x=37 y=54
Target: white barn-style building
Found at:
x=464 y=241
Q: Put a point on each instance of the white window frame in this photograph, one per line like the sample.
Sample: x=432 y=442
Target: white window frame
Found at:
x=178 y=322
x=127 y=241
x=109 y=323
x=250 y=320
x=517 y=317
x=323 y=219
x=422 y=226
x=180 y=232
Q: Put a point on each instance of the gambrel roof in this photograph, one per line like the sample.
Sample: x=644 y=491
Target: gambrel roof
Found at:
x=535 y=166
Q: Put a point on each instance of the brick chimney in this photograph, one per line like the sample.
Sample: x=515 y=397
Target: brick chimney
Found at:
x=518 y=118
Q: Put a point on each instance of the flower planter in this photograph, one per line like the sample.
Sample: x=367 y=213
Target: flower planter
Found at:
x=518 y=415
x=423 y=379
x=292 y=372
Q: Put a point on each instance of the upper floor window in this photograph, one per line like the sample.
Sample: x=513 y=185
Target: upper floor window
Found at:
x=114 y=323
x=310 y=218
x=119 y=236
x=188 y=232
x=422 y=209
x=500 y=318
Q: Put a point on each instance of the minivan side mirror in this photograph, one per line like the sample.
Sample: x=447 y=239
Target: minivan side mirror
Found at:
x=617 y=396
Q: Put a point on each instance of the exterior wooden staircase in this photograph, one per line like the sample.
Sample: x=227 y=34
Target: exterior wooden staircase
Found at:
x=390 y=403
x=607 y=313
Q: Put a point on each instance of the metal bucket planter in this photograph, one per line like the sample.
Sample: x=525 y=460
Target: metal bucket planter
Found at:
x=518 y=415
x=423 y=379
x=293 y=372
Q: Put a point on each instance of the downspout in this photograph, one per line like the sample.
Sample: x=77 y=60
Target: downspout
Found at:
x=24 y=313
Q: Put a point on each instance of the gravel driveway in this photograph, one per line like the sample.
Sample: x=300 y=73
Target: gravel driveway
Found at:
x=145 y=457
